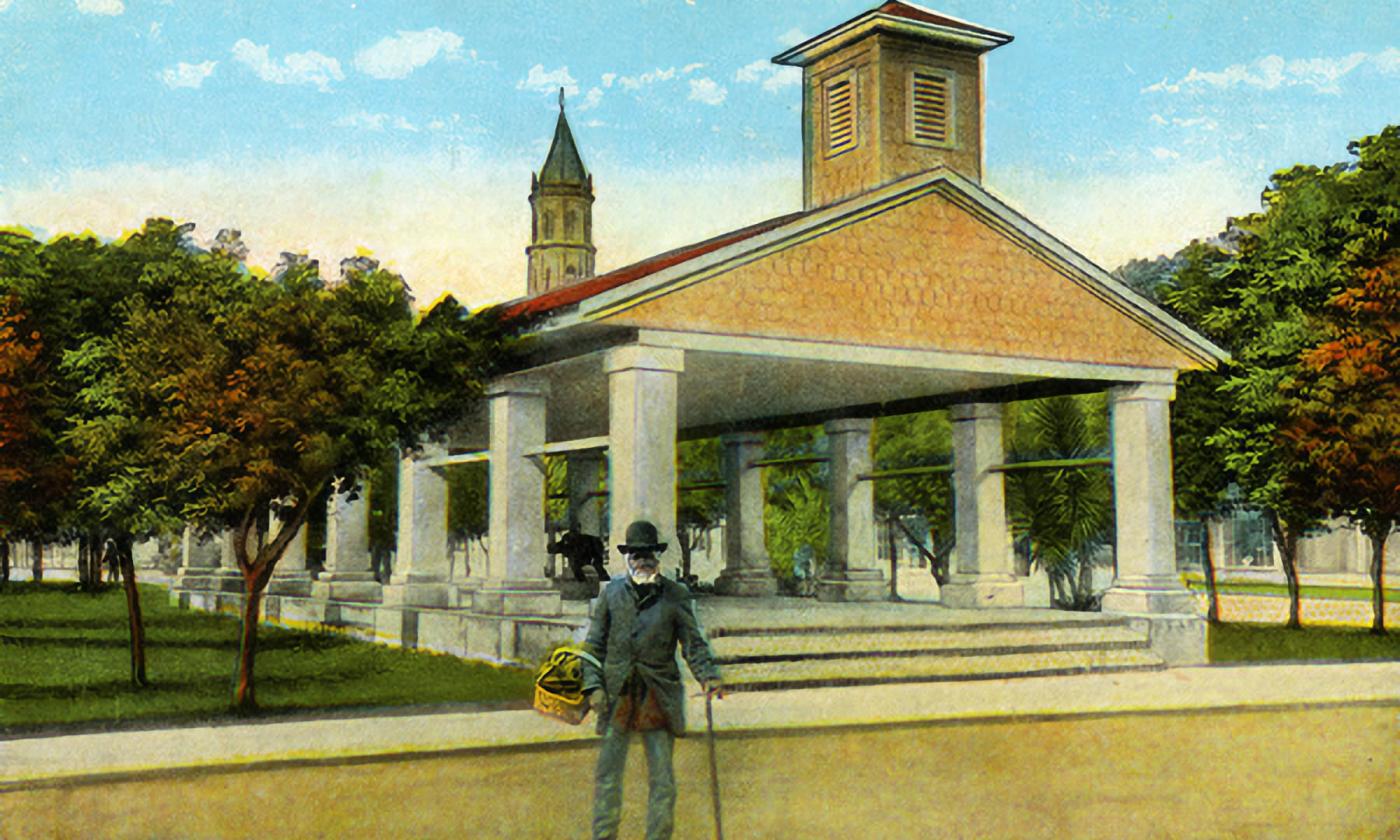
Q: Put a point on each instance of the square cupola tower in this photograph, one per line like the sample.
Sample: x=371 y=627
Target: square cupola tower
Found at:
x=890 y=93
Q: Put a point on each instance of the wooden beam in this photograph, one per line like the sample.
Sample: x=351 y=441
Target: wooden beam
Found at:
x=1056 y=464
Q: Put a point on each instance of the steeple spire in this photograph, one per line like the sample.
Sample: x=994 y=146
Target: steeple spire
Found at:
x=563 y=164
x=561 y=203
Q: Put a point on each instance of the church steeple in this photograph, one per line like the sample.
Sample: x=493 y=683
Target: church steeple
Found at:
x=561 y=205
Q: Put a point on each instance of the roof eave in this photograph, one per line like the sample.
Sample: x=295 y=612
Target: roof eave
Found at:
x=871 y=22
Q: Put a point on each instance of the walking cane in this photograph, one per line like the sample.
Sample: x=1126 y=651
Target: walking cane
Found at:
x=714 y=764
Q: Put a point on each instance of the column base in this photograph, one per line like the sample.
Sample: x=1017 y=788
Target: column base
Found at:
x=296 y=583
x=534 y=596
x=1149 y=596
x=196 y=579
x=356 y=587
x=983 y=592
x=417 y=593
x=853 y=585
x=746 y=583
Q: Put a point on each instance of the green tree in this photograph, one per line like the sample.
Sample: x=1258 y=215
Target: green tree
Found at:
x=700 y=497
x=796 y=511
x=1261 y=294
x=1064 y=515
x=913 y=441
x=1346 y=412
x=253 y=395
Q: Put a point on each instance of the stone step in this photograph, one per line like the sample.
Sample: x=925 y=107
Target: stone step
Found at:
x=814 y=672
x=830 y=625
x=923 y=642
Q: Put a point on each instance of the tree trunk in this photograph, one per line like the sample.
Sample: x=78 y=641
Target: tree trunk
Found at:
x=84 y=567
x=244 y=697
x=683 y=537
x=1084 y=585
x=935 y=566
x=36 y=569
x=137 y=628
x=894 y=558
x=1287 y=537
x=4 y=561
x=1208 y=566
x=1377 y=537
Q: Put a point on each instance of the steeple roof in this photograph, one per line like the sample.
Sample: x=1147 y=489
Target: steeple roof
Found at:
x=563 y=164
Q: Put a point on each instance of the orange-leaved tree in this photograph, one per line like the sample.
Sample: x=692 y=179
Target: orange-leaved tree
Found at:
x=1347 y=416
x=250 y=395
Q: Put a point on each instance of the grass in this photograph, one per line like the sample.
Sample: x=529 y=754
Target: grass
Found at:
x=64 y=662
x=1275 y=643
x=1338 y=593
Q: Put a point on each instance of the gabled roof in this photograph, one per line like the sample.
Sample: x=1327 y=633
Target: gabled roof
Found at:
x=895 y=16
x=567 y=296
x=563 y=164
x=649 y=279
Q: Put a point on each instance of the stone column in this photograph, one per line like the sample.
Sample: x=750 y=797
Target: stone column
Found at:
x=514 y=583
x=642 y=388
x=291 y=577
x=985 y=575
x=199 y=561
x=421 y=568
x=349 y=573
x=747 y=571
x=852 y=570
x=1147 y=580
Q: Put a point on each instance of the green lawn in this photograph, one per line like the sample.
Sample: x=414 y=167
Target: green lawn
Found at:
x=64 y=661
x=1272 y=642
x=1340 y=593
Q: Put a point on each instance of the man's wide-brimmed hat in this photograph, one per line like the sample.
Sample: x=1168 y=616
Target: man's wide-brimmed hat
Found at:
x=642 y=536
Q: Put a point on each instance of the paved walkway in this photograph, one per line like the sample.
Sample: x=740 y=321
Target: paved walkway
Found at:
x=28 y=763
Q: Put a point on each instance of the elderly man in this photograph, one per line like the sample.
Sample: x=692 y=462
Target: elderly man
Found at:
x=637 y=623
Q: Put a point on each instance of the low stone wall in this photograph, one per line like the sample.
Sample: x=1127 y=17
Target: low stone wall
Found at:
x=519 y=639
x=1273 y=609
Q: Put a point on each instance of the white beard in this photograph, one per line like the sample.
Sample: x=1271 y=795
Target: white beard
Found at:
x=644 y=576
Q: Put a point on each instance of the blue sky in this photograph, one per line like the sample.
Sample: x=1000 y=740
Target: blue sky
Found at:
x=410 y=129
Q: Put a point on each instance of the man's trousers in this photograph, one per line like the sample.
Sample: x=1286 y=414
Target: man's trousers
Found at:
x=607 y=794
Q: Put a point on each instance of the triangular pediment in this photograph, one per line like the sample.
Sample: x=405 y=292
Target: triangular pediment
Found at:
x=939 y=266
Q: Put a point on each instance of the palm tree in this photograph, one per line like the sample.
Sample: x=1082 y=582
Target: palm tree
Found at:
x=1062 y=516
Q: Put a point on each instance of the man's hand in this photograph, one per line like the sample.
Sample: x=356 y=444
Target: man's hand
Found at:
x=714 y=688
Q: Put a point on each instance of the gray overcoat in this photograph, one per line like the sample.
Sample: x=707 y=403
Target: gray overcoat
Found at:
x=626 y=640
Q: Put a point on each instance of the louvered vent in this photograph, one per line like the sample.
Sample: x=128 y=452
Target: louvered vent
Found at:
x=931 y=108
x=840 y=115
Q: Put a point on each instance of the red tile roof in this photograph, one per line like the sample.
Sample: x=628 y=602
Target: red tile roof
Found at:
x=896 y=9
x=572 y=295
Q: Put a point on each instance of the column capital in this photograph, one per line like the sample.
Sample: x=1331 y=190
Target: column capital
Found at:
x=644 y=357
x=1143 y=391
x=975 y=411
x=849 y=426
x=517 y=387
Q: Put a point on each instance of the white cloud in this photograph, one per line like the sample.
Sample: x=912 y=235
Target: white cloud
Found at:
x=608 y=79
x=792 y=37
x=379 y=122
x=549 y=81
x=1164 y=154
x=1203 y=123
x=691 y=68
x=1273 y=72
x=707 y=90
x=395 y=58
x=184 y=75
x=772 y=77
x=591 y=99
x=100 y=7
x=306 y=68
x=4 y=4
x=650 y=77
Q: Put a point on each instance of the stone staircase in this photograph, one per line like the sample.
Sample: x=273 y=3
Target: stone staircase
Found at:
x=773 y=654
